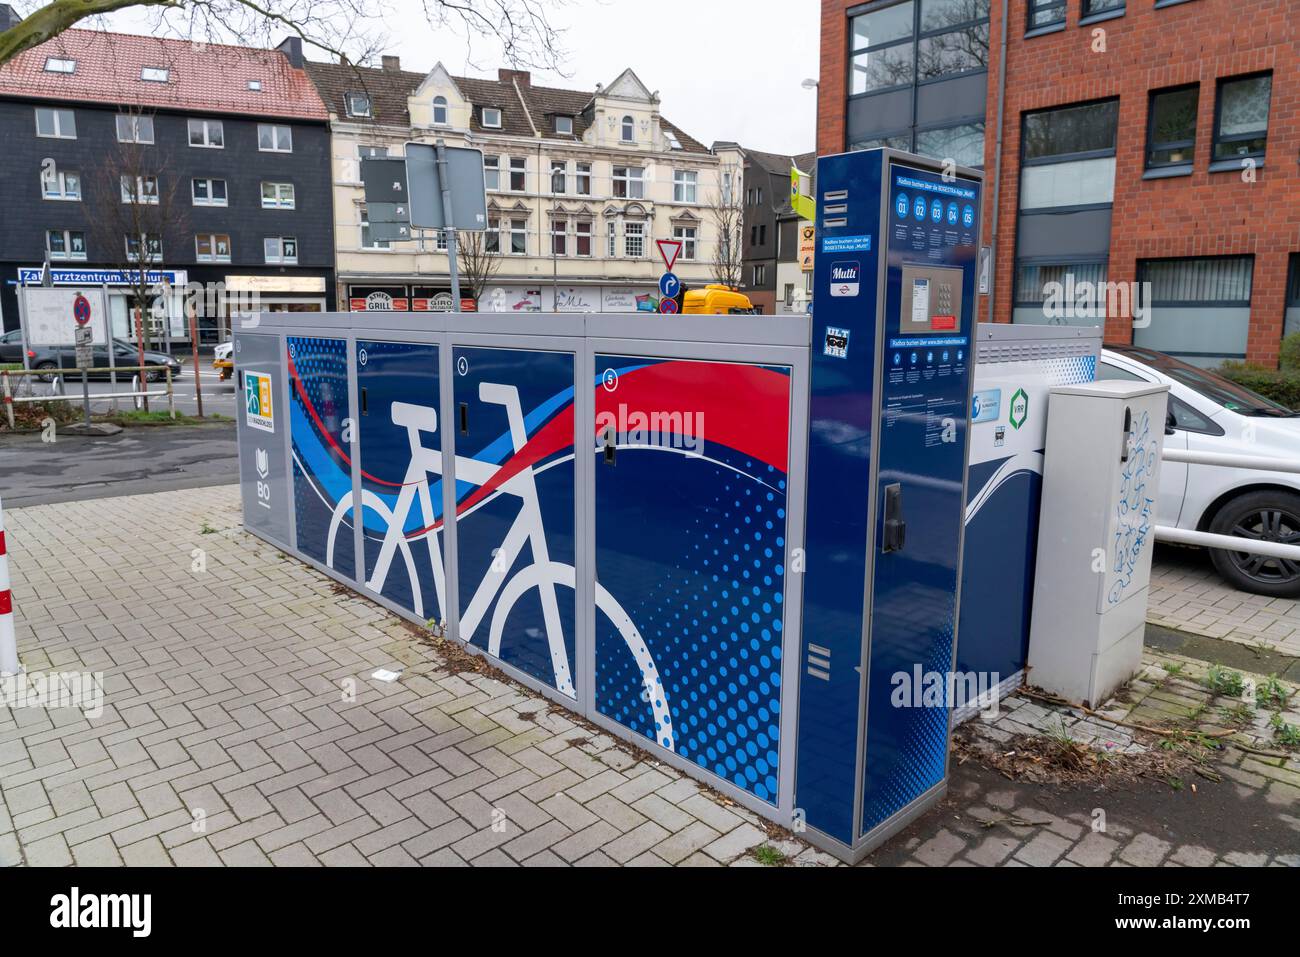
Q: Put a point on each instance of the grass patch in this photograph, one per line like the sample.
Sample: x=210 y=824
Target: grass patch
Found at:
x=769 y=856
x=154 y=417
x=1225 y=682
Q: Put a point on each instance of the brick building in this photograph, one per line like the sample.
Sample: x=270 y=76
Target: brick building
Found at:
x=1142 y=141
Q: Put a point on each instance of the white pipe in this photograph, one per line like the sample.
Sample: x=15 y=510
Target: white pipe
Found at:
x=1231 y=543
x=1232 y=461
x=8 y=641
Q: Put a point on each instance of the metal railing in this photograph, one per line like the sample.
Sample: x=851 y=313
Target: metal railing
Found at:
x=1232 y=543
x=139 y=388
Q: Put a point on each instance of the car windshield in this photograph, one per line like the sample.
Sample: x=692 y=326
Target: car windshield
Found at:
x=1224 y=392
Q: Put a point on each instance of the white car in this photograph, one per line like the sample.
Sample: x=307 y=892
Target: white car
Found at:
x=223 y=359
x=1208 y=413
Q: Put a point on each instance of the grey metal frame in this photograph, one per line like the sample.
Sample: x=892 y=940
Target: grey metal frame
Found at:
x=780 y=341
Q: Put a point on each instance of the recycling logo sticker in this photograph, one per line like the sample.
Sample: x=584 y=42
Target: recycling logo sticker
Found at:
x=1019 y=408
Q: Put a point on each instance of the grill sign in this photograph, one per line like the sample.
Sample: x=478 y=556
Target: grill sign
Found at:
x=845 y=278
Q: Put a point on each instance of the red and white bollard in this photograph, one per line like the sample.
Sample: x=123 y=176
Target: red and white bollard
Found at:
x=8 y=641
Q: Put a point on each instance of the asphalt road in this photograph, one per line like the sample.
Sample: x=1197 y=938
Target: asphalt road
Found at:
x=138 y=460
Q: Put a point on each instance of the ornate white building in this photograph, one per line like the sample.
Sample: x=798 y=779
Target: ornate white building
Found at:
x=580 y=186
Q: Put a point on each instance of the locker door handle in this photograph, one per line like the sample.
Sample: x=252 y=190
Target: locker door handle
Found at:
x=895 y=526
x=365 y=402
x=610 y=449
x=464 y=418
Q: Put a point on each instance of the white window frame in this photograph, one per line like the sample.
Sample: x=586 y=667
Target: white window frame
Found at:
x=492 y=235
x=634 y=232
x=279 y=202
x=61 y=193
x=559 y=168
x=627 y=132
x=211 y=199
x=513 y=232
x=155 y=74
x=690 y=243
x=496 y=111
x=58 y=64
x=582 y=179
x=350 y=100
x=151 y=255
x=492 y=172
x=213 y=256
x=277 y=145
x=686 y=186
x=584 y=229
x=56 y=123
x=136 y=131
x=440 y=105
x=560 y=233
x=280 y=255
x=206 y=126
x=611 y=240
x=561 y=122
x=522 y=170
x=67 y=255
x=135 y=193
x=629 y=182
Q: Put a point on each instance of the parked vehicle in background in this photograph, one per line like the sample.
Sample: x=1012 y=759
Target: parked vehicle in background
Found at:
x=1208 y=413
x=716 y=300
x=49 y=359
x=11 y=348
x=223 y=360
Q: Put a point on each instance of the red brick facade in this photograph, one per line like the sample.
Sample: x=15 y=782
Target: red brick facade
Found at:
x=1148 y=48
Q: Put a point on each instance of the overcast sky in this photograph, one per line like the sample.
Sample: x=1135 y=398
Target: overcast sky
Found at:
x=725 y=69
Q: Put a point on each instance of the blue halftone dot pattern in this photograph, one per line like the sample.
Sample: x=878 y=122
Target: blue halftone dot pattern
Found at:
x=713 y=622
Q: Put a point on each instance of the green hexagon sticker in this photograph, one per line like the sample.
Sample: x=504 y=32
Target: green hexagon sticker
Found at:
x=1019 y=408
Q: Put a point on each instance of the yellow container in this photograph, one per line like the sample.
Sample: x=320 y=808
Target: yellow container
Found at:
x=715 y=300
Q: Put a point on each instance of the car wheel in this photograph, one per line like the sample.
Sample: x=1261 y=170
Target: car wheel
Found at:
x=1271 y=517
x=152 y=375
x=46 y=370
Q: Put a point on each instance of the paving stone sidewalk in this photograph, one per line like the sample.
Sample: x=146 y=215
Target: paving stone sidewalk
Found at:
x=240 y=726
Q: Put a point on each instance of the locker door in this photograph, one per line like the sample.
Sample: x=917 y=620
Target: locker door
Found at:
x=401 y=474
x=690 y=488
x=515 y=526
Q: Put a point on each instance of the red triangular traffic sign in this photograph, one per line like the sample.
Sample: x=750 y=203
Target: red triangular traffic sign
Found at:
x=669 y=249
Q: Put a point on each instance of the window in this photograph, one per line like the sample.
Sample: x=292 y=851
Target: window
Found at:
x=65 y=243
x=56 y=124
x=154 y=74
x=518 y=174
x=1199 y=308
x=883 y=55
x=440 y=111
x=207 y=134
x=611 y=248
x=368 y=241
x=278 y=196
x=582 y=177
x=274 y=139
x=948 y=54
x=1045 y=13
x=760 y=275
x=492 y=238
x=492 y=172
x=519 y=237
x=440 y=241
x=1032 y=280
x=1097 y=8
x=629 y=182
x=280 y=249
x=132 y=128
x=629 y=130
x=962 y=144
x=255 y=86
x=564 y=125
x=559 y=177
x=208 y=192
x=140 y=189
x=894 y=141
x=559 y=236
x=212 y=248
x=634 y=240
x=61 y=185
x=1071 y=131
x=150 y=242
x=684 y=185
x=358 y=105
x=372 y=152
x=754 y=197
x=1171 y=135
x=687 y=236
x=582 y=237
x=1241 y=118
x=57 y=65
x=492 y=117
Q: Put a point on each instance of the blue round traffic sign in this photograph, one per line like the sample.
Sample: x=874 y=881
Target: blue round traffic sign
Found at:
x=668 y=307
x=669 y=285
x=81 y=310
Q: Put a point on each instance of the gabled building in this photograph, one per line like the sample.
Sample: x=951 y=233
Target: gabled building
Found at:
x=770 y=236
x=232 y=145
x=580 y=185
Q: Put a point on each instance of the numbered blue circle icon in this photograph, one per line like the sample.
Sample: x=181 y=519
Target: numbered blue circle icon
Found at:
x=968 y=215
x=952 y=214
x=902 y=205
x=918 y=209
x=936 y=210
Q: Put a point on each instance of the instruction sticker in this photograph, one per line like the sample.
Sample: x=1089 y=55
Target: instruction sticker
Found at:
x=257 y=395
x=987 y=406
x=920 y=302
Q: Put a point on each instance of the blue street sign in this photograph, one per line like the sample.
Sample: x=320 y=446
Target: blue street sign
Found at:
x=669 y=285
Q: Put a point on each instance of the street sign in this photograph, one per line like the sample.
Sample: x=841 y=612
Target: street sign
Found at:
x=669 y=249
x=468 y=192
x=46 y=310
x=81 y=309
x=384 y=180
x=390 y=232
x=388 y=212
x=85 y=337
x=669 y=285
x=668 y=307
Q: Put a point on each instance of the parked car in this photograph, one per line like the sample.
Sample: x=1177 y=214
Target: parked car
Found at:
x=223 y=360
x=1208 y=413
x=11 y=347
x=49 y=358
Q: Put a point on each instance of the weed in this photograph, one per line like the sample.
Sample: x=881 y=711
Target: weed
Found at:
x=1271 y=694
x=1173 y=668
x=768 y=856
x=1222 y=681
x=207 y=529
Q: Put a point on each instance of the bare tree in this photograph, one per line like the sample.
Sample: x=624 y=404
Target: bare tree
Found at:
x=477 y=264
x=138 y=212
x=344 y=28
x=728 y=218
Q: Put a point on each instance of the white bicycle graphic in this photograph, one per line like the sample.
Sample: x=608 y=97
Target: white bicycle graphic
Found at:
x=527 y=529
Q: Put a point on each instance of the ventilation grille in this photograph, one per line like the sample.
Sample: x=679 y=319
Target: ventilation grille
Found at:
x=993 y=352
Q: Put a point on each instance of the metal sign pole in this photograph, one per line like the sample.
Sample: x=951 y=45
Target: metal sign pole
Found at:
x=453 y=242
x=194 y=342
x=22 y=324
x=109 y=342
